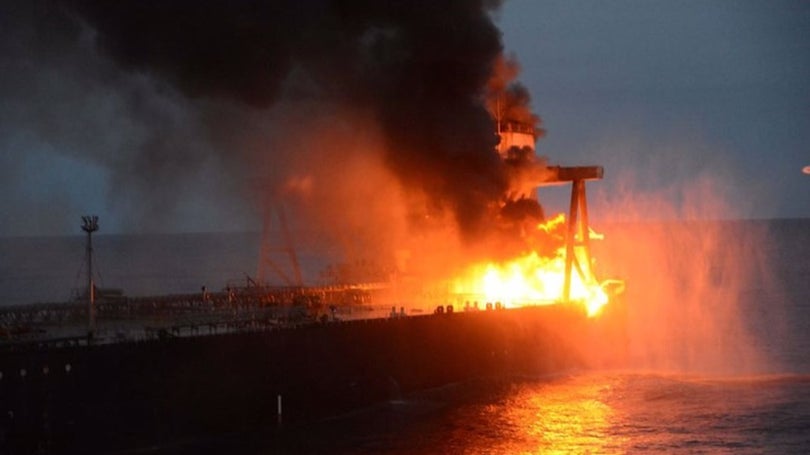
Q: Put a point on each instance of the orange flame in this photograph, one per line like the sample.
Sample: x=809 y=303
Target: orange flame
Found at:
x=535 y=279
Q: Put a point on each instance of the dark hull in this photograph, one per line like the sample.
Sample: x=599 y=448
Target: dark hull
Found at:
x=132 y=394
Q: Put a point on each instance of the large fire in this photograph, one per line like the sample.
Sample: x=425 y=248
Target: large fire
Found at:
x=536 y=277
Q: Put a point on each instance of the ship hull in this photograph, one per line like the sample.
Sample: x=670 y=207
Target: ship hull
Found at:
x=132 y=394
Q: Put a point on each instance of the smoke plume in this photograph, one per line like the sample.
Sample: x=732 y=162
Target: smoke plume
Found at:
x=419 y=67
x=377 y=119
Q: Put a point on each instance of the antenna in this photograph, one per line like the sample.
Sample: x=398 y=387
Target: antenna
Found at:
x=90 y=225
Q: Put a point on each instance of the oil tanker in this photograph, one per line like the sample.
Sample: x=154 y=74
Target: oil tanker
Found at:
x=110 y=373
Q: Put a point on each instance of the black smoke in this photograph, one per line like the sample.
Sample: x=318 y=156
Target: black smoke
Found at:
x=420 y=67
x=187 y=100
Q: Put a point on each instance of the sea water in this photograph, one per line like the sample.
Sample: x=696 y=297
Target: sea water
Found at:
x=724 y=367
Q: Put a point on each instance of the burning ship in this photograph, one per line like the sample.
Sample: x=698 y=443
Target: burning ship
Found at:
x=112 y=372
x=244 y=358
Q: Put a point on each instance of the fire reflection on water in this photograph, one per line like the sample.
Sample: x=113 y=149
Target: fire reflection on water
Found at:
x=599 y=413
x=569 y=419
x=638 y=413
x=560 y=417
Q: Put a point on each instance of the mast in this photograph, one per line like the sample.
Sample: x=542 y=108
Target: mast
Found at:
x=269 y=252
x=90 y=225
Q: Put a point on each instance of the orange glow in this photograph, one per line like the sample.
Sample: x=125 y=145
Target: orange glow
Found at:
x=535 y=279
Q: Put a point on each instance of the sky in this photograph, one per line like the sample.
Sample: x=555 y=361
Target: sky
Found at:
x=666 y=95
x=666 y=90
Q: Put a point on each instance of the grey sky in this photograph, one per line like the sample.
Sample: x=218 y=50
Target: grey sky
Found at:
x=723 y=86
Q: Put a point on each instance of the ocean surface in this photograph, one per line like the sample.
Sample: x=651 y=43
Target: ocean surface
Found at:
x=717 y=357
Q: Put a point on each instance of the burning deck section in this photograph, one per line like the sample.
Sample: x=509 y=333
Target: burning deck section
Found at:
x=556 y=265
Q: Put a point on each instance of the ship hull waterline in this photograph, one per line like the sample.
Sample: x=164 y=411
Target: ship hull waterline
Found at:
x=130 y=394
